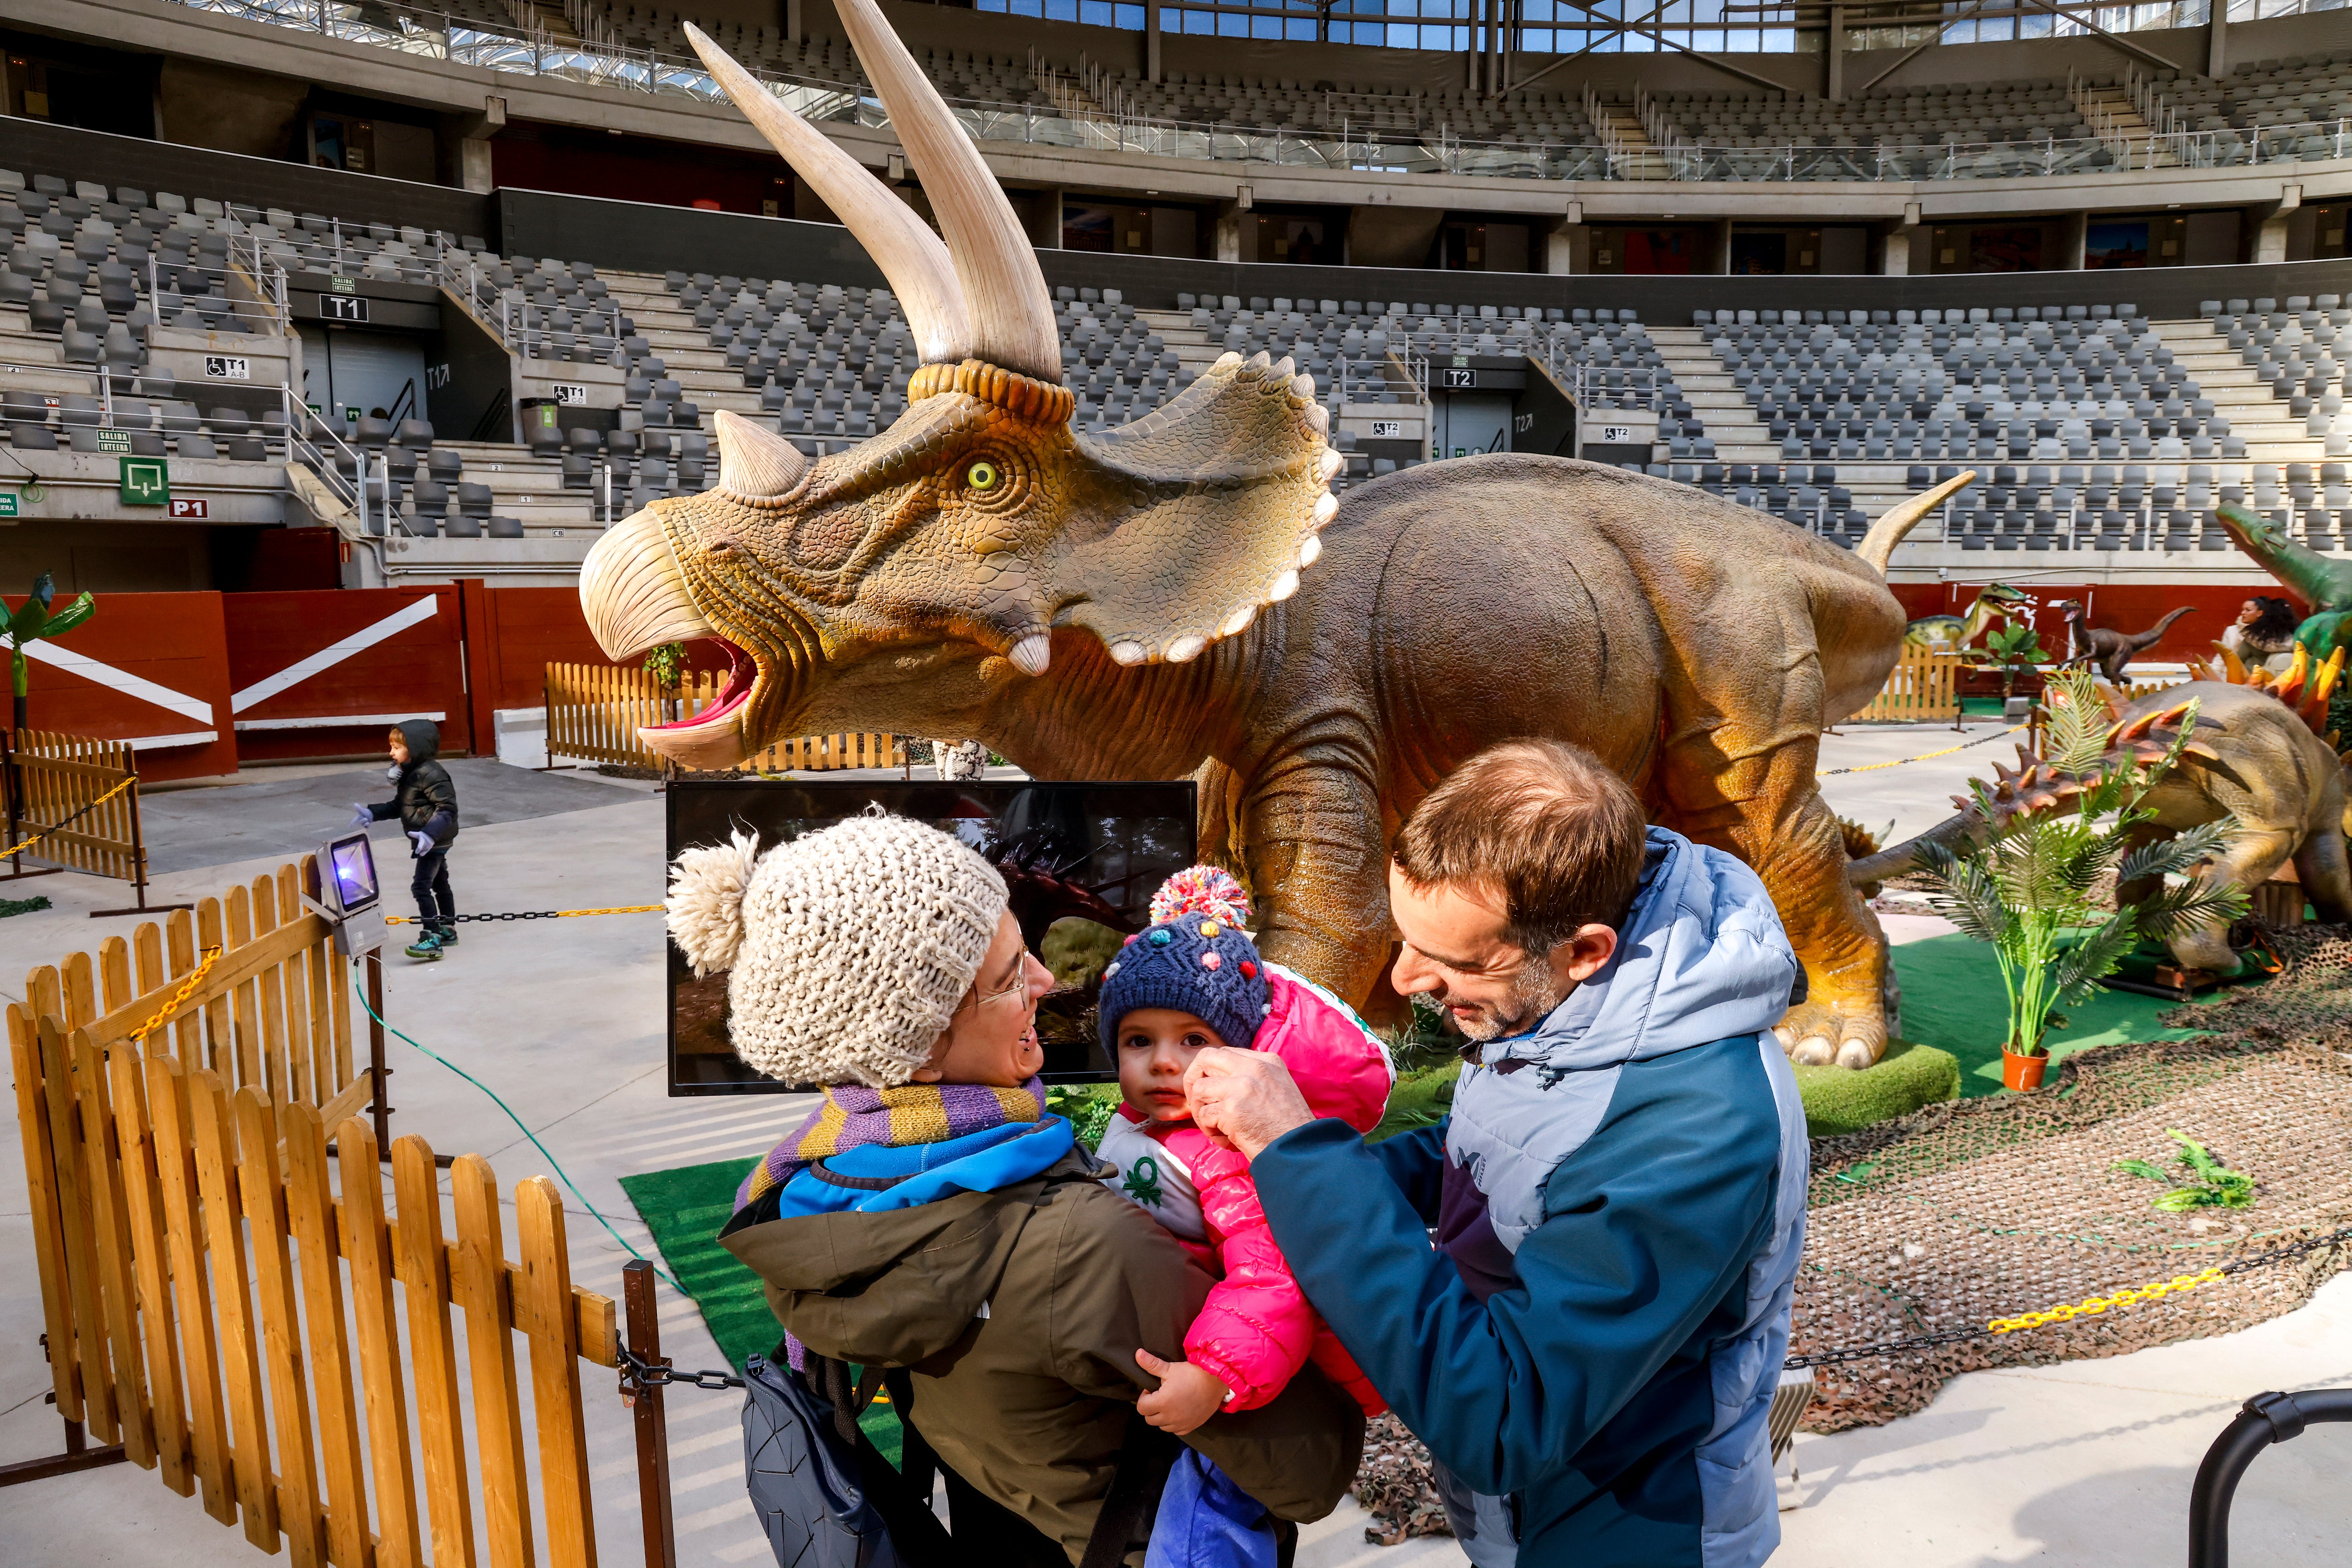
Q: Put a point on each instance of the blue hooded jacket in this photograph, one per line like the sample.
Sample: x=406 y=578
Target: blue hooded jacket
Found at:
x=1642 y=1158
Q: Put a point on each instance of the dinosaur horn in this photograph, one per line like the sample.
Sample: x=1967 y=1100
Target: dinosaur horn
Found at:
x=754 y=462
x=1898 y=519
x=909 y=255
x=1012 y=309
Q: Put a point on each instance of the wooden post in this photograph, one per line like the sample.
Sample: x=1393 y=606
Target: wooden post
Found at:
x=138 y=853
x=379 y=1092
x=653 y=1506
x=15 y=791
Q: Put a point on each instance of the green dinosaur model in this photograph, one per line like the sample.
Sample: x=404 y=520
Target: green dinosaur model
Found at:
x=1950 y=634
x=1129 y=604
x=2322 y=584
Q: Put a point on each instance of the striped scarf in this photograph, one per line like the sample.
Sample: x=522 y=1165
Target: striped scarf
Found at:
x=854 y=1116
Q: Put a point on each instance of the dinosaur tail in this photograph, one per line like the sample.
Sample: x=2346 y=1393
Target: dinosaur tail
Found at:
x=2155 y=634
x=1878 y=545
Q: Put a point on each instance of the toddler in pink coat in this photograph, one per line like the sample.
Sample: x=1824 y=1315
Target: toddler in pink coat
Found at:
x=1193 y=980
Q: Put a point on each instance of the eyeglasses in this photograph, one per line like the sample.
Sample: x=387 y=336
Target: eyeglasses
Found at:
x=1019 y=986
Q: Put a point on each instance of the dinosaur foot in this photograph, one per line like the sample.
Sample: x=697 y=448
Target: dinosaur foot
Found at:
x=1850 y=1032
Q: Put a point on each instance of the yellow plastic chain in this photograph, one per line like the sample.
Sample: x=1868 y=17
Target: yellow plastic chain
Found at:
x=550 y=915
x=195 y=978
x=2098 y=1304
x=35 y=839
x=1924 y=757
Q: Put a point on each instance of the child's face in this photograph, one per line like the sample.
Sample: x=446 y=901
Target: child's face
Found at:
x=1155 y=1045
x=398 y=748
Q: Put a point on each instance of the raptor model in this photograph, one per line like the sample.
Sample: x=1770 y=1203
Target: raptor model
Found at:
x=2110 y=651
x=2255 y=757
x=1950 y=634
x=1129 y=603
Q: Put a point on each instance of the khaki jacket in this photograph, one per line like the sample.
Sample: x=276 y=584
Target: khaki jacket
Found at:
x=1019 y=1312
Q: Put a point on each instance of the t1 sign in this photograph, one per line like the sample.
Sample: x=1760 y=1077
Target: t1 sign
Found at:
x=571 y=391
x=343 y=308
x=227 y=368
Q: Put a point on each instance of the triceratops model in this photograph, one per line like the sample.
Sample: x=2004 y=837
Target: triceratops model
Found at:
x=1129 y=604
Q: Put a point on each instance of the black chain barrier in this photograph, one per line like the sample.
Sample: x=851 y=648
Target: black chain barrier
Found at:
x=1961 y=1336
x=637 y=1373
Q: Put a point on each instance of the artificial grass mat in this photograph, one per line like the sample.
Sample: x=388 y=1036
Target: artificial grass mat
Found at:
x=684 y=1209
x=1910 y=1075
x=1952 y=1000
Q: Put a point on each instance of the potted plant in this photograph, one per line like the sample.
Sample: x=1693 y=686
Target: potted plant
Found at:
x=667 y=665
x=2013 y=649
x=2031 y=887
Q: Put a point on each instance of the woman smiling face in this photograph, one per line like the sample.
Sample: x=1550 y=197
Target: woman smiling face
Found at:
x=992 y=1038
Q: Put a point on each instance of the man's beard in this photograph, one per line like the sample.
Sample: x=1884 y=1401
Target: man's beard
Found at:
x=1534 y=993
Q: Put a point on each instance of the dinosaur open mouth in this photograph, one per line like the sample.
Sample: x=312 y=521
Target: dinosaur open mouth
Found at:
x=734 y=691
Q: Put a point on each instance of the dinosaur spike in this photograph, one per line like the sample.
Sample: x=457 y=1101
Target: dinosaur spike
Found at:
x=2200 y=749
x=2136 y=727
x=2199 y=669
x=2234 y=667
x=2114 y=702
x=2322 y=684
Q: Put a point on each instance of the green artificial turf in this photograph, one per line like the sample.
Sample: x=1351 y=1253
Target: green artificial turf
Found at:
x=1839 y=1099
x=684 y=1209
x=1952 y=999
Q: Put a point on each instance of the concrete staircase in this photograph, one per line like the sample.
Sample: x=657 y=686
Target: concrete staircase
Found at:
x=2272 y=433
x=1730 y=420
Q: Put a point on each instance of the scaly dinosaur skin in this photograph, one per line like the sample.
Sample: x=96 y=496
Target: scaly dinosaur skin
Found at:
x=2252 y=759
x=2322 y=584
x=1698 y=647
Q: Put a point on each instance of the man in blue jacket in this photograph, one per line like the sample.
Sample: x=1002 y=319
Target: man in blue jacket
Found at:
x=1618 y=1198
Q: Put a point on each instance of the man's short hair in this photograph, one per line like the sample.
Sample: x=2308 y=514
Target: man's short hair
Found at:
x=1542 y=823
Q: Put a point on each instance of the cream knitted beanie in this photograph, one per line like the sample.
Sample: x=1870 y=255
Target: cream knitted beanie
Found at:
x=849 y=948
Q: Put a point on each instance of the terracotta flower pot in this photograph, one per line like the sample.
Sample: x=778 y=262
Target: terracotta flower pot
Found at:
x=2023 y=1073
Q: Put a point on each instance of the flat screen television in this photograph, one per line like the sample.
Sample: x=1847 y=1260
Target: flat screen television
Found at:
x=1082 y=861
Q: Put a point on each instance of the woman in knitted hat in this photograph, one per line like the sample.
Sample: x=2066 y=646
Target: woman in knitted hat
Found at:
x=1192 y=981
x=931 y=1214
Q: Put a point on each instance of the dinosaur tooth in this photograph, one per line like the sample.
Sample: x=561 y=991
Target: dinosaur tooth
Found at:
x=1330 y=462
x=1125 y=651
x=1238 y=622
x=1257 y=363
x=1310 y=552
x=1186 y=649
x=1228 y=362
x=1302 y=386
x=1318 y=418
x=1327 y=507
x=1282 y=587
x=1031 y=654
x=1282 y=369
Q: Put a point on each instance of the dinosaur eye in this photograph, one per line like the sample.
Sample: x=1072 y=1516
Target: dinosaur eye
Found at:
x=981 y=477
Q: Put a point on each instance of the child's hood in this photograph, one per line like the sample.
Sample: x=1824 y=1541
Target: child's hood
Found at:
x=1340 y=1066
x=423 y=739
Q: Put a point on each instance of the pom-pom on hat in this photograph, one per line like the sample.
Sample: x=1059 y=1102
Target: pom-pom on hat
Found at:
x=849 y=949
x=1196 y=957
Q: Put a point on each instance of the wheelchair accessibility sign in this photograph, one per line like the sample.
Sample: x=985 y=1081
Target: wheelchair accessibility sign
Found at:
x=146 y=482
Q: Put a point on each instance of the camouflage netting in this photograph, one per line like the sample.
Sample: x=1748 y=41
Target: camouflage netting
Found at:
x=1981 y=1208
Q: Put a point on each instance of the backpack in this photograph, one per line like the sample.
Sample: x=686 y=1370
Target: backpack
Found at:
x=827 y=1499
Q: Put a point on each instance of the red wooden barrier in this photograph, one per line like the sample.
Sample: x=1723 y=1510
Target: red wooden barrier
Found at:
x=326 y=673
x=151 y=669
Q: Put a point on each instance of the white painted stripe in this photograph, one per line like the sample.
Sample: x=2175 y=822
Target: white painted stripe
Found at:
x=121 y=680
x=334 y=721
x=165 y=742
x=327 y=657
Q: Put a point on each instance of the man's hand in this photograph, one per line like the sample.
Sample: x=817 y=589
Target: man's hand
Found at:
x=1186 y=1395
x=1246 y=1100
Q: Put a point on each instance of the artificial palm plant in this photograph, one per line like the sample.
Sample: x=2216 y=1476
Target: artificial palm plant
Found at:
x=2030 y=888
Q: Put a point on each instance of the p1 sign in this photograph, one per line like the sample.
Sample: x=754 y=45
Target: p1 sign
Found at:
x=189 y=507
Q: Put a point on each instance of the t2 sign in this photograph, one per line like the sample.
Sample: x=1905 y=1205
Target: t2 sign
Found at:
x=1459 y=378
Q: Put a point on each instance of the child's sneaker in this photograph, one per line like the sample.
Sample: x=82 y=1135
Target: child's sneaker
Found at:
x=447 y=935
x=426 y=947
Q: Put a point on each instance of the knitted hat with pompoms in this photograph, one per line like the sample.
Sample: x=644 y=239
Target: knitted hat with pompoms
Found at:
x=1196 y=957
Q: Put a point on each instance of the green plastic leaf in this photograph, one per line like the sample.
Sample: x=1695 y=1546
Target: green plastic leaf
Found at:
x=73 y=614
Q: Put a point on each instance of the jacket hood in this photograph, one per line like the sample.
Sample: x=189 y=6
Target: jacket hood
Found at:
x=422 y=738
x=1701 y=957
x=898 y=1284
x=1341 y=1067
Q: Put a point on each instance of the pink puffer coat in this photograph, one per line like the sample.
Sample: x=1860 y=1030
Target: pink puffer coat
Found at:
x=1256 y=1330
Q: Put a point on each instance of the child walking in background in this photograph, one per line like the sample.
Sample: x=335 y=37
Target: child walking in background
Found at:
x=426 y=801
x=1195 y=979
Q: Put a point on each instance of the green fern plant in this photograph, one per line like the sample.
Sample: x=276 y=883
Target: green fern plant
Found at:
x=2030 y=890
x=1087 y=1106
x=2210 y=1184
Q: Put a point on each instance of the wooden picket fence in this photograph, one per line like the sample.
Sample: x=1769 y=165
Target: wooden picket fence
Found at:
x=594 y=711
x=221 y=1313
x=1924 y=685
x=62 y=791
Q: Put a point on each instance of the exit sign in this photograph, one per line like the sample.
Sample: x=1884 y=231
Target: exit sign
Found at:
x=7 y=503
x=114 y=440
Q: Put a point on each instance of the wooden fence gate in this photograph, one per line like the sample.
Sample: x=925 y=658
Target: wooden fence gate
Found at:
x=218 y=1311
x=594 y=713
x=1924 y=685
x=79 y=796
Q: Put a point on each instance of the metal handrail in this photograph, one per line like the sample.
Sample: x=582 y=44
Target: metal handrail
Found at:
x=533 y=51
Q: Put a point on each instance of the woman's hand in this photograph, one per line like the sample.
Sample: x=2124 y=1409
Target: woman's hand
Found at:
x=1186 y=1395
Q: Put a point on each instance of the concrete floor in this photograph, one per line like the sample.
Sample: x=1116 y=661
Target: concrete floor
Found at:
x=2086 y=1463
